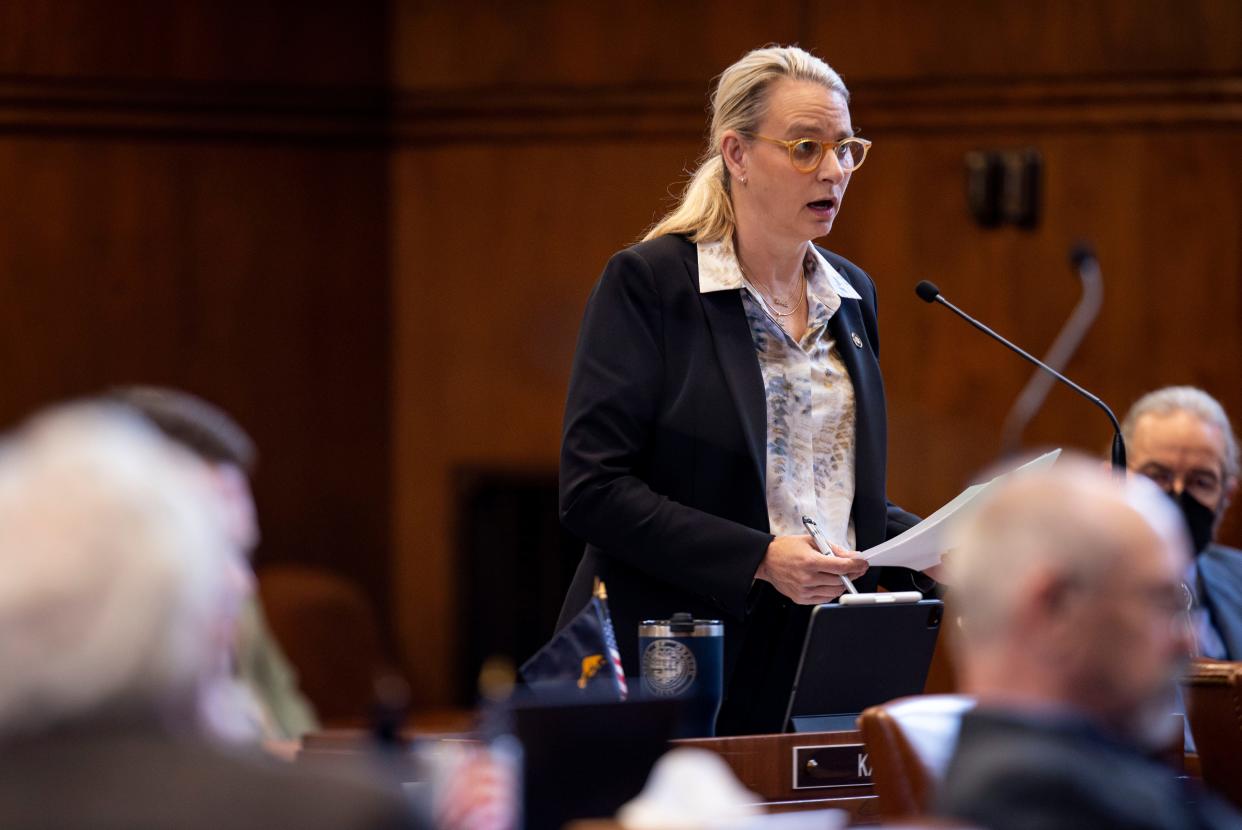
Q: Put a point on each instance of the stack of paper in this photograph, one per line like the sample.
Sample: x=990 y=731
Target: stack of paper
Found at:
x=921 y=546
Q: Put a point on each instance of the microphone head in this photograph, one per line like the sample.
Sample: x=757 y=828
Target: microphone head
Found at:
x=1081 y=254
x=927 y=291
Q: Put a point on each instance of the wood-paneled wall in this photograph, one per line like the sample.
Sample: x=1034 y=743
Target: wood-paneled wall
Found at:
x=531 y=145
x=369 y=229
x=196 y=194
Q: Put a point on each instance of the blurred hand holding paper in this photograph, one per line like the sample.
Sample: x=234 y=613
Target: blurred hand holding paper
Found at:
x=921 y=546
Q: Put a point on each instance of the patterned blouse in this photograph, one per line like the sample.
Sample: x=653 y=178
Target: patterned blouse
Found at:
x=810 y=398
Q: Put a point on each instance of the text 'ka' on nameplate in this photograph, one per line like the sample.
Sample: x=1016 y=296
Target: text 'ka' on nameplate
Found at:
x=840 y=765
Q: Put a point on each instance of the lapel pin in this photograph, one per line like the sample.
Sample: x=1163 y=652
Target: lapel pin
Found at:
x=857 y=340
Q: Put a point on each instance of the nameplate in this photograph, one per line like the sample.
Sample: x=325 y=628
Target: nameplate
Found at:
x=837 y=765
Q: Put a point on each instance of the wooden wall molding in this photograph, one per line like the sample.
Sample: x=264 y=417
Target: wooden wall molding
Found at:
x=542 y=114
x=1064 y=103
x=656 y=113
x=301 y=114
x=371 y=114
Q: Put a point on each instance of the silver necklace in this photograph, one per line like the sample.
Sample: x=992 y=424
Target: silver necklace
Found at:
x=769 y=302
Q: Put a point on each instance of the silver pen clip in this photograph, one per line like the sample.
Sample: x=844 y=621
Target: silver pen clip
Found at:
x=812 y=527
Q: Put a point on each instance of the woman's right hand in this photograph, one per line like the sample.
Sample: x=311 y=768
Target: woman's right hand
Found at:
x=797 y=569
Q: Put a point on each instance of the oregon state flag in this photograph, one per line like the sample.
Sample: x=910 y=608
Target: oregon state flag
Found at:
x=581 y=660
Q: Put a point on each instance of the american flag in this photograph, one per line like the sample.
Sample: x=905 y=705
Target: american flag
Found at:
x=583 y=649
x=610 y=640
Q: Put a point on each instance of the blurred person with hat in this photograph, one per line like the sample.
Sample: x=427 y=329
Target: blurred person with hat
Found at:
x=278 y=713
x=117 y=617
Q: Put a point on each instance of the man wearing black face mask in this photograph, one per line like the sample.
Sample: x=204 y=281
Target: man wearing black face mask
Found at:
x=1180 y=438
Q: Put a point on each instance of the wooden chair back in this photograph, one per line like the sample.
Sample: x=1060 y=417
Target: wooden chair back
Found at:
x=909 y=743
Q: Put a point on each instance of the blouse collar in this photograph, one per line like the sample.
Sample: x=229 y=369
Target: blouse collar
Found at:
x=719 y=271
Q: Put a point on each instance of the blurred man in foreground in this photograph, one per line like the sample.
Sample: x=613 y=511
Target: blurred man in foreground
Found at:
x=1073 y=635
x=117 y=610
x=1181 y=438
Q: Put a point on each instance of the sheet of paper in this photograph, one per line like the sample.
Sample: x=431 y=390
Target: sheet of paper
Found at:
x=921 y=546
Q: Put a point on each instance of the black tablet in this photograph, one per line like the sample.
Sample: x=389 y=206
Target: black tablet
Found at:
x=856 y=656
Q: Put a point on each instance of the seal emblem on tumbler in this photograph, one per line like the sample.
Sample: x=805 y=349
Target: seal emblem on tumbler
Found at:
x=683 y=658
x=668 y=668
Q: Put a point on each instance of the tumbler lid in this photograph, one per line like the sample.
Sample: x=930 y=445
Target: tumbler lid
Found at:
x=681 y=625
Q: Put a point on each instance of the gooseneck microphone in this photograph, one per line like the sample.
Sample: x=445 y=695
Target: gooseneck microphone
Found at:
x=929 y=293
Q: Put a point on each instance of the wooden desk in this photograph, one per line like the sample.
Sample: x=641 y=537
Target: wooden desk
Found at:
x=811 y=771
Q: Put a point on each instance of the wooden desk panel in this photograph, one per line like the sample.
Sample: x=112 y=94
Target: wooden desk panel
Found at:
x=763 y=763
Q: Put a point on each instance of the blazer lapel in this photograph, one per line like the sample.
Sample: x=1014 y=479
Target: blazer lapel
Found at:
x=726 y=319
x=847 y=330
x=845 y=327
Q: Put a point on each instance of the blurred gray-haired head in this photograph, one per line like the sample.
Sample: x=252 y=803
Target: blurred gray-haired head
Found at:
x=1069 y=587
x=119 y=583
x=1068 y=519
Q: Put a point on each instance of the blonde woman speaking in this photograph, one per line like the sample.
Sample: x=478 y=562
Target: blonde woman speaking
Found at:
x=726 y=383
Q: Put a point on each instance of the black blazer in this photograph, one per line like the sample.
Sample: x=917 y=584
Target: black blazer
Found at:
x=663 y=460
x=1011 y=771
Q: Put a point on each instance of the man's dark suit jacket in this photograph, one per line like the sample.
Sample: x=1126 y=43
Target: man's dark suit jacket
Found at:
x=130 y=775
x=1012 y=772
x=1220 y=586
x=663 y=463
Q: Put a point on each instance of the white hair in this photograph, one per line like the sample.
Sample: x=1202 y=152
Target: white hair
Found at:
x=115 y=569
x=1190 y=399
x=1065 y=518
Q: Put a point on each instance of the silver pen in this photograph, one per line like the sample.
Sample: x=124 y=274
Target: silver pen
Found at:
x=820 y=542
